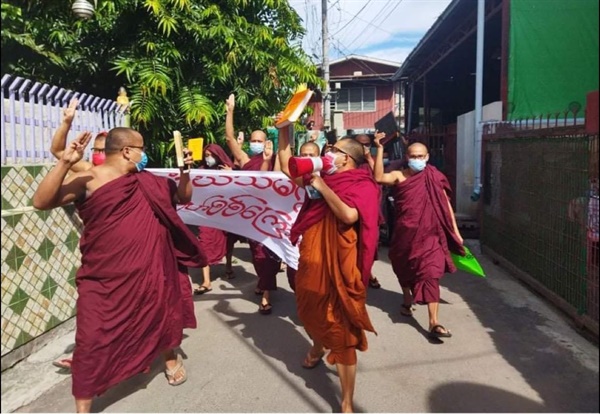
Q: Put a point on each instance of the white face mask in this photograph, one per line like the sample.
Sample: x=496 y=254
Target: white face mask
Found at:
x=257 y=147
x=210 y=161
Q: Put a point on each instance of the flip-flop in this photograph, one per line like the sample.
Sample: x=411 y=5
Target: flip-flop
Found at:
x=406 y=310
x=265 y=309
x=434 y=332
x=311 y=361
x=374 y=283
x=202 y=290
x=171 y=373
x=63 y=363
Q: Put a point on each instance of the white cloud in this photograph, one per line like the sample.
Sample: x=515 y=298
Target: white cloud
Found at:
x=386 y=29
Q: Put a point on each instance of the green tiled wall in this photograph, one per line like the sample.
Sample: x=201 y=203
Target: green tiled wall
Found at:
x=40 y=257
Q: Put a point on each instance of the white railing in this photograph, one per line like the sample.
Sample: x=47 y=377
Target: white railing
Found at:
x=31 y=112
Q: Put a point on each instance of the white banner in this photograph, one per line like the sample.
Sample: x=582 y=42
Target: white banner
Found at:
x=261 y=206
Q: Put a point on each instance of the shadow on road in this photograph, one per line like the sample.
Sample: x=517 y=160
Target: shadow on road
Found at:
x=466 y=397
x=277 y=338
x=525 y=340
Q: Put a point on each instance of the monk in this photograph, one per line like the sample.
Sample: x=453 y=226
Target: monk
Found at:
x=130 y=307
x=266 y=263
x=213 y=242
x=365 y=141
x=339 y=238
x=424 y=233
x=57 y=147
x=59 y=140
x=284 y=153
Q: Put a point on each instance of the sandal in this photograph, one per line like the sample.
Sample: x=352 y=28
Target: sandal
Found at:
x=311 y=361
x=374 y=283
x=177 y=369
x=229 y=274
x=438 y=331
x=406 y=310
x=265 y=309
x=201 y=290
x=63 y=363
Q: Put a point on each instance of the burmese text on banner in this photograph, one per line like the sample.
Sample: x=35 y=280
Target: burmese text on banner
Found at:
x=259 y=205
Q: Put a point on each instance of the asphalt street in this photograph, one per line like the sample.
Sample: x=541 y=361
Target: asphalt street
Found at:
x=510 y=352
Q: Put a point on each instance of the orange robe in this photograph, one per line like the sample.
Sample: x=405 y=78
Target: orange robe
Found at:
x=330 y=293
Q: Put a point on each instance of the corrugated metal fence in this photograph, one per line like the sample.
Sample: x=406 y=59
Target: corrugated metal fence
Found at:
x=541 y=210
x=31 y=112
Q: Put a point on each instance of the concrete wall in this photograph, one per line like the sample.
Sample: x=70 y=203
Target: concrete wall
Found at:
x=465 y=158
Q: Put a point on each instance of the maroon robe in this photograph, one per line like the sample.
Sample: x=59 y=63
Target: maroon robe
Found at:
x=213 y=242
x=423 y=234
x=357 y=189
x=266 y=263
x=130 y=306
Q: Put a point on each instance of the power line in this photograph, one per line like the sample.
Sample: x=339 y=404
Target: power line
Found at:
x=369 y=23
x=381 y=13
x=382 y=22
x=352 y=19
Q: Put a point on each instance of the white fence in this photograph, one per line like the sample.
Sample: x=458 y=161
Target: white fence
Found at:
x=31 y=112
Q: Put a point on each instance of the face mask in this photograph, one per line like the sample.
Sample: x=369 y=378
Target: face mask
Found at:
x=417 y=165
x=386 y=161
x=98 y=158
x=142 y=163
x=257 y=147
x=210 y=161
x=331 y=157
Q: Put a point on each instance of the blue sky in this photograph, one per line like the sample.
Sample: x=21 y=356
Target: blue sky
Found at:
x=382 y=29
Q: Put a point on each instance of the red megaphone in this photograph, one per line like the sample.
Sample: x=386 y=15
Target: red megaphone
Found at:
x=300 y=166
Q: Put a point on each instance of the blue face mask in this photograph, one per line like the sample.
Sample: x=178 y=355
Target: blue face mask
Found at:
x=417 y=165
x=386 y=161
x=142 y=163
x=257 y=148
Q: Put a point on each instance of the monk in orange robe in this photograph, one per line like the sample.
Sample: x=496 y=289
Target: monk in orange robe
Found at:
x=339 y=238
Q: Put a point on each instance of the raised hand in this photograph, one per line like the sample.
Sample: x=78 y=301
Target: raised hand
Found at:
x=277 y=117
x=74 y=151
x=240 y=138
x=188 y=160
x=230 y=103
x=378 y=136
x=268 y=151
x=69 y=112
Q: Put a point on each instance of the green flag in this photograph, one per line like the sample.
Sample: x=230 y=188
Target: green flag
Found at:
x=467 y=263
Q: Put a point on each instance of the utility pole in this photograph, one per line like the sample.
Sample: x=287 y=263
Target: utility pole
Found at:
x=326 y=93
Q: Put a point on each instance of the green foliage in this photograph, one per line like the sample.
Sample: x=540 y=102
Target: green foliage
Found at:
x=178 y=59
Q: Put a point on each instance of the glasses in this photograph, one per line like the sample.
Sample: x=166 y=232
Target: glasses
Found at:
x=143 y=148
x=336 y=150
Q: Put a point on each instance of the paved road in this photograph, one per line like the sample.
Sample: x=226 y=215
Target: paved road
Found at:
x=510 y=352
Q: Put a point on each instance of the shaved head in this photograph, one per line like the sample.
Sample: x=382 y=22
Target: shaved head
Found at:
x=353 y=148
x=363 y=139
x=417 y=146
x=309 y=149
x=119 y=137
x=258 y=136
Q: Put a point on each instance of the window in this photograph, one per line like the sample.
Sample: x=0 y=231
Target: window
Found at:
x=356 y=99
